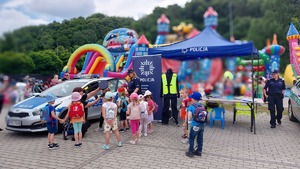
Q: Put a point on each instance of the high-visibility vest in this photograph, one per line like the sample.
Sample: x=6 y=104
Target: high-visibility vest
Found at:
x=173 y=85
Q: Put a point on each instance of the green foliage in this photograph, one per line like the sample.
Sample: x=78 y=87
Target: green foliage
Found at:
x=15 y=63
x=46 y=62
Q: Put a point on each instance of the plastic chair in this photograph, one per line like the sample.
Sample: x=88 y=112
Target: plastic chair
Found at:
x=241 y=109
x=217 y=113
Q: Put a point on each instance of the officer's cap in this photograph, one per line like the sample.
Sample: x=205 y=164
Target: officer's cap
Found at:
x=275 y=71
x=130 y=71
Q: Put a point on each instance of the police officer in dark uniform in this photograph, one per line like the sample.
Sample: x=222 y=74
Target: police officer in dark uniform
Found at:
x=274 y=93
x=134 y=86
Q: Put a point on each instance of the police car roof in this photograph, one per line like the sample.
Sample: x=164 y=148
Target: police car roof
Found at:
x=96 y=79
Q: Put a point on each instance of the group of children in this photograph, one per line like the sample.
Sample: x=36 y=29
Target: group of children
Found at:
x=137 y=109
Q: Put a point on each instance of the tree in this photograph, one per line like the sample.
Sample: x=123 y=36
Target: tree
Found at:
x=46 y=62
x=15 y=63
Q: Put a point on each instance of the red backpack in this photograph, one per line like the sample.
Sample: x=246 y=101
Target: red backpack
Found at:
x=76 y=110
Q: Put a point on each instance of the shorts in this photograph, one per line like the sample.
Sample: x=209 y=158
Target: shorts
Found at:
x=108 y=127
x=122 y=116
x=77 y=127
x=52 y=128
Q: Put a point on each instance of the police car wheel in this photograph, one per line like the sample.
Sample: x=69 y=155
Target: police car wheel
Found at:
x=291 y=113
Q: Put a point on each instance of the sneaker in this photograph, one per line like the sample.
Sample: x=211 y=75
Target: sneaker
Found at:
x=119 y=144
x=189 y=154
x=55 y=145
x=98 y=129
x=185 y=141
x=77 y=145
x=80 y=144
x=273 y=126
x=105 y=147
x=197 y=153
x=127 y=129
x=122 y=130
x=132 y=142
x=65 y=138
x=52 y=147
x=278 y=121
x=1 y=129
x=145 y=134
x=150 y=131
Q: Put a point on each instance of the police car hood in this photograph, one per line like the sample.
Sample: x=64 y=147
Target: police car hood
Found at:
x=36 y=101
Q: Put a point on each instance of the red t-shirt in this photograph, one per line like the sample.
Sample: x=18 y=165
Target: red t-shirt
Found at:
x=183 y=108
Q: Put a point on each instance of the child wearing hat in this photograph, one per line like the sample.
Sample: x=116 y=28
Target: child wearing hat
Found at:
x=109 y=112
x=77 y=117
x=144 y=115
x=134 y=115
x=148 y=98
x=122 y=103
x=51 y=125
x=197 y=128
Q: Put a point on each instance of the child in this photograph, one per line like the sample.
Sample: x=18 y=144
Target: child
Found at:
x=122 y=103
x=51 y=125
x=134 y=112
x=197 y=128
x=148 y=97
x=183 y=115
x=109 y=112
x=77 y=117
x=144 y=118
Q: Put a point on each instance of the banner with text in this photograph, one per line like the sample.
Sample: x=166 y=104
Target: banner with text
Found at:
x=148 y=69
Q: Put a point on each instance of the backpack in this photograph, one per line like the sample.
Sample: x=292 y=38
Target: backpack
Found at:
x=46 y=114
x=110 y=113
x=155 y=107
x=124 y=106
x=200 y=114
x=76 y=110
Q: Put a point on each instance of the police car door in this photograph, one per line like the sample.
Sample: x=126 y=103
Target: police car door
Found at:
x=295 y=101
x=93 y=111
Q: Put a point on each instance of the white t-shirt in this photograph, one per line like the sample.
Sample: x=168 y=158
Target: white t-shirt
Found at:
x=144 y=106
x=110 y=109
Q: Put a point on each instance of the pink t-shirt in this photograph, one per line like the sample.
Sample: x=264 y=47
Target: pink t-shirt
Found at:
x=150 y=105
x=135 y=111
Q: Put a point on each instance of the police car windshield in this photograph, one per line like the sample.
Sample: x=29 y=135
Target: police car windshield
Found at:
x=62 y=89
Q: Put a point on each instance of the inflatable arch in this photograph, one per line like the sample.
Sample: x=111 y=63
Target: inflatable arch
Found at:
x=103 y=52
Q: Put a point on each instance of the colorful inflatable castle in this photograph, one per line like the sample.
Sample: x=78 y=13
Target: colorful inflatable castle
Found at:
x=292 y=70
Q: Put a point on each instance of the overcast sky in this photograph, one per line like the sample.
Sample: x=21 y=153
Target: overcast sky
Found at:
x=17 y=13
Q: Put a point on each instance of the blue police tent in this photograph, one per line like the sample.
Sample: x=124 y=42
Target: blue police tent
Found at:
x=207 y=44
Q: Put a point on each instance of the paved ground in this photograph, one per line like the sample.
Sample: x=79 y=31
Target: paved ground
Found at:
x=233 y=147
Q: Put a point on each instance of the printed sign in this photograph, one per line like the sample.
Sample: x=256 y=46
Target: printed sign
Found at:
x=148 y=69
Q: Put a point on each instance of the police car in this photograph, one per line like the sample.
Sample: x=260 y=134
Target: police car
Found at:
x=294 y=102
x=25 y=115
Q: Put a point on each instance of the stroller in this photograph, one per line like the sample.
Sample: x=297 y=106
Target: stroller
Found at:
x=69 y=130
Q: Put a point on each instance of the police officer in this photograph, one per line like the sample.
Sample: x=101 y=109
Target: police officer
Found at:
x=274 y=93
x=169 y=90
x=134 y=86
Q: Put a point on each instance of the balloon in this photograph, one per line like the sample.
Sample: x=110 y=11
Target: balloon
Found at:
x=243 y=89
x=228 y=74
